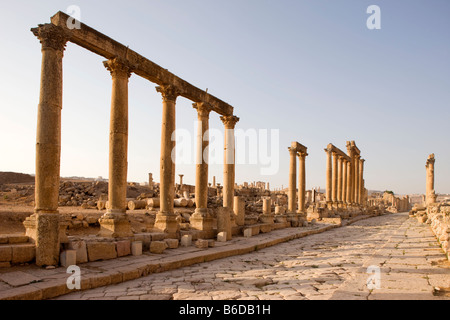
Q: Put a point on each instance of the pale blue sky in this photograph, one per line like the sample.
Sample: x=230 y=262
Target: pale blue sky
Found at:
x=311 y=69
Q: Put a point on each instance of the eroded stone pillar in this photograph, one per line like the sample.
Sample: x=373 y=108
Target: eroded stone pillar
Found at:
x=329 y=171
x=115 y=223
x=166 y=218
x=339 y=179
x=344 y=180
x=292 y=179
x=150 y=181
x=430 y=193
x=334 y=184
x=361 y=181
x=301 y=182
x=356 y=180
x=201 y=220
x=44 y=224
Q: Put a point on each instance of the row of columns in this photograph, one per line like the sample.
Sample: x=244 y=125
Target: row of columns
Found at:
x=297 y=150
x=114 y=223
x=344 y=177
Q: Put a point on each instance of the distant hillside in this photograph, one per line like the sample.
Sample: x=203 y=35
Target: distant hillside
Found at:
x=15 y=177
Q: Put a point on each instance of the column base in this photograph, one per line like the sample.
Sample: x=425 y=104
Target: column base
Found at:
x=167 y=223
x=293 y=219
x=200 y=220
x=115 y=225
x=224 y=221
x=266 y=218
x=44 y=230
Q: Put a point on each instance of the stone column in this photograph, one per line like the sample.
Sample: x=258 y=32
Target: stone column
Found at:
x=229 y=167
x=344 y=180
x=44 y=223
x=329 y=176
x=361 y=181
x=166 y=218
x=335 y=178
x=115 y=223
x=339 y=178
x=430 y=193
x=292 y=179
x=301 y=182
x=181 y=181
x=356 y=180
x=349 y=183
x=200 y=220
x=150 y=181
x=214 y=182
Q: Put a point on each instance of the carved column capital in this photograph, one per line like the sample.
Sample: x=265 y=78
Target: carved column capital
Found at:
x=51 y=36
x=292 y=151
x=302 y=154
x=203 y=109
x=118 y=68
x=168 y=92
x=229 y=121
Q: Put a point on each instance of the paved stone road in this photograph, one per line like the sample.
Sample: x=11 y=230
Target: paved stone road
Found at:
x=330 y=265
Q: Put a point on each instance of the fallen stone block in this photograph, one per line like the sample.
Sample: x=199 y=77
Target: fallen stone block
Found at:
x=201 y=243
x=22 y=253
x=81 y=251
x=248 y=232
x=186 y=240
x=222 y=236
x=136 y=248
x=172 y=243
x=68 y=258
x=5 y=253
x=158 y=246
x=123 y=248
x=211 y=243
x=101 y=250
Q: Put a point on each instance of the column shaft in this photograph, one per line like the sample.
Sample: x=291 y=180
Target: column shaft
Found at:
x=229 y=156
x=344 y=180
x=335 y=178
x=361 y=180
x=339 y=178
x=44 y=225
x=329 y=176
x=301 y=183
x=292 y=180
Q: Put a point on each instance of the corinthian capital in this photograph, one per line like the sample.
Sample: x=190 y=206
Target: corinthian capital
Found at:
x=229 y=121
x=168 y=92
x=117 y=67
x=51 y=36
x=203 y=109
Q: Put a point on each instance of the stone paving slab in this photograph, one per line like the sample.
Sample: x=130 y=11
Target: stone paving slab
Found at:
x=50 y=283
x=327 y=265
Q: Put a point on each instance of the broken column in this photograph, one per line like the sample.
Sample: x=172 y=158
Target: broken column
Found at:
x=166 y=218
x=430 y=193
x=115 y=223
x=150 y=181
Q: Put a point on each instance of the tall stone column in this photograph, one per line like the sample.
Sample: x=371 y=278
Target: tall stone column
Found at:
x=292 y=179
x=115 y=223
x=356 y=180
x=43 y=226
x=335 y=178
x=430 y=193
x=344 y=180
x=349 y=182
x=329 y=176
x=361 y=181
x=339 y=178
x=229 y=167
x=200 y=220
x=166 y=218
x=301 y=182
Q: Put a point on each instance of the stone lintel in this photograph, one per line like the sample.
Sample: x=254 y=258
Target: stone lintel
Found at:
x=103 y=45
